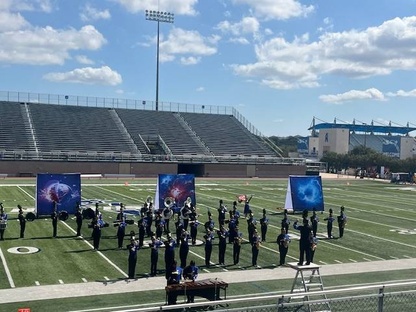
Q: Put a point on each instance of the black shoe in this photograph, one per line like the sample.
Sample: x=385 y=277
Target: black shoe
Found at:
x=300 y=263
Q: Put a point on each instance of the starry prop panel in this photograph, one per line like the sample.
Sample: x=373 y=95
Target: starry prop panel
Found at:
x=177 y=186
x=64 y=189
x=304 y=192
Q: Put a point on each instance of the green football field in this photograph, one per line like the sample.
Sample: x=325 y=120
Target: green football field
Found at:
x=381 y=226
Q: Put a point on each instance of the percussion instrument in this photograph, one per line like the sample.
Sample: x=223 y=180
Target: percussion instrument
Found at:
x=207 y=288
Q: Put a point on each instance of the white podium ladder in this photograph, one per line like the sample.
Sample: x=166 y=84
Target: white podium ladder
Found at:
x=305 y=283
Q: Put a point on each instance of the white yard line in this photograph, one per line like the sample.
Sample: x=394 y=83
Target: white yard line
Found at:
x=6 y=269
x=99 y=252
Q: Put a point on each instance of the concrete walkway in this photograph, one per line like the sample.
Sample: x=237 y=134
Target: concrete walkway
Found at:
x=32 y=293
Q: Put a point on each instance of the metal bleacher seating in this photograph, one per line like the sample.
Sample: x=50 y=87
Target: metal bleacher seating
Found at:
x=142 y=124
x=14 y=132
x=225 y=135
x=73 y=128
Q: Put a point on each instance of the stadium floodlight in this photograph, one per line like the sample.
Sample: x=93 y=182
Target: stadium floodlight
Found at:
x=159 y=17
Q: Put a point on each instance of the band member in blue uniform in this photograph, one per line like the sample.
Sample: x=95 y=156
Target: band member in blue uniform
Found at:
x=121 y=230
x=54 y=217
x=142 y=224
x=78 y=219
x=167 y=215
x=304 y=242
x=342 y=221
x=314 y=222
x=149 y=221
x=3 y=221
x=193 y=224
x=184 y=247
x=159 y=225
x=184 y=215
x=222 y=210
x=247 y=209
x=264 y=221
x=175 y=276
x=190 y=273
x=329 y=222
x=96 y=232
x=237 y=241
x=222 y=244
x=179 y=228
x=170 y=245
x=208 y=247
x=133 y=247
x=209 y=225
x=22 y=221
x=283 y=241
x=255 y=248
x=154 y=245
x=251 y=227
x=285 y=221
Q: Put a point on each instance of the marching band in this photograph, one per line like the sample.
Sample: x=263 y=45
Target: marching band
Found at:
x=186 y=217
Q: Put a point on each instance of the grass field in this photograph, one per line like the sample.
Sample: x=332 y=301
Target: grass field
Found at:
x=381 y=226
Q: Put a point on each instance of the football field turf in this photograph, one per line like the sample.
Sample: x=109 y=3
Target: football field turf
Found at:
x=381 y=226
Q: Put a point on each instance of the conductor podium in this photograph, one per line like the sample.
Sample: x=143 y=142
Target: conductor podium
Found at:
x=207 y=288
x=308 y=279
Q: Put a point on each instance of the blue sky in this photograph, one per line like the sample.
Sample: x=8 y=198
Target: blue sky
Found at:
x=278 y=62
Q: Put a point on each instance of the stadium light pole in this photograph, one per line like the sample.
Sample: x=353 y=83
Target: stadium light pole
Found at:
x=159 y=17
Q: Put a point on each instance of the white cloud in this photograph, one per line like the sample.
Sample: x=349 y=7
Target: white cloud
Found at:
x=200 y=89
x=277 y=9
x=181 y=7
x=46 y=46
x=240 y=40
x=190 y=60
x=11 y=21
x=26 y=5
x=402 y=93
x=356 y=54
x=90 y=13
x=82 y=59
x=353 y=95
x=247 y=25
x=87 y=75
x=188 y=44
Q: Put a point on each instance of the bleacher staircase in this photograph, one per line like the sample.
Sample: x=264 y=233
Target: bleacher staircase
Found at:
x=192 y=134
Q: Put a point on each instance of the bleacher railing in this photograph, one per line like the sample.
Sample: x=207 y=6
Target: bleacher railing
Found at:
x=393 y=297
x=88 y=101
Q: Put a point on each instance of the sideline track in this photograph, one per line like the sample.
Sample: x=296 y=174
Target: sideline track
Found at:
x=33 y=293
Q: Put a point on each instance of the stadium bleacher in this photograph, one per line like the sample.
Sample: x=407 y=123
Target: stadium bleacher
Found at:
x=100 y=133
x=14 y=130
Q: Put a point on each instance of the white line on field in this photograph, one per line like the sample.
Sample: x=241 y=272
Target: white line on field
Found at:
x=352 y=260
x=367 y=259
x=20 y=188
x=84 y=280
x=60 y=281
x=337 y=261
x=106 y=278
x=350 y=249
x=6 y=269
x=99 y=252
x=37 y=283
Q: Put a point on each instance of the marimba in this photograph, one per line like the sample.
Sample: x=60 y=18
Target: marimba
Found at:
x=207 y=288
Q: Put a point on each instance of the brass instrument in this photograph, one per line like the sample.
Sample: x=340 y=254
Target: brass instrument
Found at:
x=149 y=201
x=169 y=202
